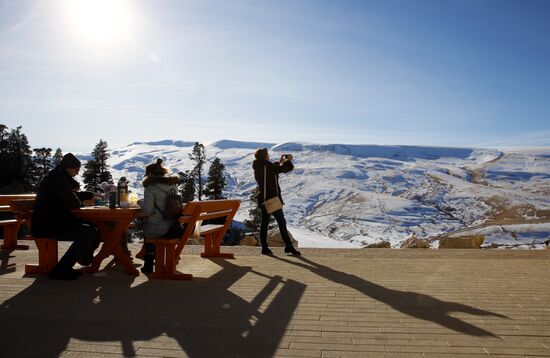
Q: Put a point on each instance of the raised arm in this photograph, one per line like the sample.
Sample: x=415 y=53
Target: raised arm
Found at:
x=284 y=167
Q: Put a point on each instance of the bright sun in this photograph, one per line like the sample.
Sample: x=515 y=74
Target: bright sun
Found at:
x=103 y=22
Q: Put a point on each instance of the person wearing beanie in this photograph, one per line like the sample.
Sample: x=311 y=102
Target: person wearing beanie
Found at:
x=52 y=218
x=157 y=189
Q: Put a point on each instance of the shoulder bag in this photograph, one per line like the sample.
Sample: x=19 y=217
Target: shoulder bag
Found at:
x=275 y=203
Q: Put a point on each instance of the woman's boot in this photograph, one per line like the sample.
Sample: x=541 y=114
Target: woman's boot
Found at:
x=291 y=250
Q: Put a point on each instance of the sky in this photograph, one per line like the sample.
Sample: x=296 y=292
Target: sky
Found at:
x=439 y=73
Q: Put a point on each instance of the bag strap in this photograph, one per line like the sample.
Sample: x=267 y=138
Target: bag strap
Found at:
x=265 y=184
x=156 y=207
x=172 y=190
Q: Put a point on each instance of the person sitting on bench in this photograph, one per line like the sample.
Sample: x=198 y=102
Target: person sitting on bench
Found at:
x=157 y=188
x=52 y=218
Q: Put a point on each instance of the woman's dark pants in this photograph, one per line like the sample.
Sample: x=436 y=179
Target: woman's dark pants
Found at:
x=281 y=222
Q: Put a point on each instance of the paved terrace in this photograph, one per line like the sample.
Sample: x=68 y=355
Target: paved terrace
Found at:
x=331 y=303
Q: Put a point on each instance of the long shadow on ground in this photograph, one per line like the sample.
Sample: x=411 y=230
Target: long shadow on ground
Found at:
x=413 y=304
x=203 y=316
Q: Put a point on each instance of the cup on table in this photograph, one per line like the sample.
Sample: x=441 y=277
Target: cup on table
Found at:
x=112 y=199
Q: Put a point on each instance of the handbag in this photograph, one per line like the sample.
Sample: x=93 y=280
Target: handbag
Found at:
x=273 y=204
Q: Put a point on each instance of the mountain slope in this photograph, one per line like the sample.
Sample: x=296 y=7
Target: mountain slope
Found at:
x=353 y=195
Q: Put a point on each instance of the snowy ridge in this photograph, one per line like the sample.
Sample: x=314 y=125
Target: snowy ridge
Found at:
x=392 y=152
x=231 y=144
x=352 y=195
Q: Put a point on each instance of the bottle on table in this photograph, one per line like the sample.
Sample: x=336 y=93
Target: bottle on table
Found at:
x=122 y=193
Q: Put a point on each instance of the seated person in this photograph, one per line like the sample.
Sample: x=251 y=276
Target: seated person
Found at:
x=157 y=188
x=52 y=218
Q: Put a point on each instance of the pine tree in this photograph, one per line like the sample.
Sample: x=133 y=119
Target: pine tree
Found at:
x=255 y=214
x=215 y=184
x=187 y=186
x=97 y=169
x=42 y=162
x=17 y=166
x=198 y=156
x=4 y=164
x=57 y=157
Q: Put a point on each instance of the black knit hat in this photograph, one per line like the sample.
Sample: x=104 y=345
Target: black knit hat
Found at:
x=69 y=161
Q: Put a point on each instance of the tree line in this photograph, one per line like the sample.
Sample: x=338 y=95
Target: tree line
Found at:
x=22 y=168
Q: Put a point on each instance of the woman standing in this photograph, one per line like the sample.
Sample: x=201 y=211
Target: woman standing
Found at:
x=266 y=174
x=157 y=189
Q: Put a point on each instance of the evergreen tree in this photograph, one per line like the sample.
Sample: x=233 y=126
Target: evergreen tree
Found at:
x=187 y=186
x=4 y=164
x=57 y=157
x=42 y=162
x=97 y=169
x=215 y=184
x=18 y=169
x=255 y=214
x=198 y=156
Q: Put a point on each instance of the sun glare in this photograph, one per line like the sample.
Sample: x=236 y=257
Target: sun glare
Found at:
x=102 y=22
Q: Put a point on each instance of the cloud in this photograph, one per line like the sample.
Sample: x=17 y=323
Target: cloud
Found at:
x=541 y=138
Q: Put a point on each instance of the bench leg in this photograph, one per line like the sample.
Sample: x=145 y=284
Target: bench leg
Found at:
x=10 y=238
x=165 y=263
x=47 y=257
x=212 y=247
x=160 y=265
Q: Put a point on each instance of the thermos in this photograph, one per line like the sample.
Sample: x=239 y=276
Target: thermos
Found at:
x=122 y=191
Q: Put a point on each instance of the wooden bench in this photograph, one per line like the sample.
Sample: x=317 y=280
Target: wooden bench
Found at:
x=167 y=251
x=11 y=229
x=7 y=199
x=47 y=248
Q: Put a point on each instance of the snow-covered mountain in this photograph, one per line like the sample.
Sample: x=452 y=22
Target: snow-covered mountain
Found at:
x=352 y=195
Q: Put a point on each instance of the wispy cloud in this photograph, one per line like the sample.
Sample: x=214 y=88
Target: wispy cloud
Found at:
x=541 y=138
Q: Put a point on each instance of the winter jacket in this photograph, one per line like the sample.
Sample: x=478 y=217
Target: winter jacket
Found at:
x=53 y=204
x=154 y=201
x=273 y=170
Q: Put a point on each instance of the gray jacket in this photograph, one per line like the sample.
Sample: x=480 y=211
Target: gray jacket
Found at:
x=156 y=192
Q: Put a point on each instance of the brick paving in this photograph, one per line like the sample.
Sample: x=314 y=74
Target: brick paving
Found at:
x=330 y=303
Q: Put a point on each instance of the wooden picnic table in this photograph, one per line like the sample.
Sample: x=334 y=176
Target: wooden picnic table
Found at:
x=111 y=235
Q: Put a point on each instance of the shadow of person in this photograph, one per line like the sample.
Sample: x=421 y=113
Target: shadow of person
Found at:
x=111 y=314
x=5 y=266
x=414 y=304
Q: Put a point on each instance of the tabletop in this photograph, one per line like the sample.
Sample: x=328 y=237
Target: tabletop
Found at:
x=105 y=213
